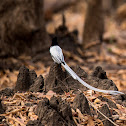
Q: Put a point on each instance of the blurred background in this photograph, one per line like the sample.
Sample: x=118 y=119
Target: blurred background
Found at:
x=90 y=32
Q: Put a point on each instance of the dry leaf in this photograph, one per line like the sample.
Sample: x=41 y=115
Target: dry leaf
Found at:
x=97 y=101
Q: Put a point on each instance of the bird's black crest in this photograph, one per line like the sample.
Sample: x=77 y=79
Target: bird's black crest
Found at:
x=54 y=41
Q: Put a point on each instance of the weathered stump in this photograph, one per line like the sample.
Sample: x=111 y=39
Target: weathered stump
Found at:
x=22 y=28
x=94 y=22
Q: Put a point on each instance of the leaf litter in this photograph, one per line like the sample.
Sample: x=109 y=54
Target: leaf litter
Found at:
x=20 y=109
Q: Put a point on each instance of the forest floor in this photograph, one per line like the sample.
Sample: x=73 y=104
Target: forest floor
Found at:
x=110 y=55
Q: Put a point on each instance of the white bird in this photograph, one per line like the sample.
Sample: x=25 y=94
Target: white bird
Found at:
x=57 y=56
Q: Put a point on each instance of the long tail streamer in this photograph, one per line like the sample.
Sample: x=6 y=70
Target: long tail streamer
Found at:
x=76 y=77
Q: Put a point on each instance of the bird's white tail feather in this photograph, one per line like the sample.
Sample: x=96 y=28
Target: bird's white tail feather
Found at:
x=96 y=89
x=70 y=71
x=76 y=77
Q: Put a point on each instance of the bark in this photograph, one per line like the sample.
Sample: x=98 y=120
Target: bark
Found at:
x=94 y=22
x=107 y=5
x=22 y=27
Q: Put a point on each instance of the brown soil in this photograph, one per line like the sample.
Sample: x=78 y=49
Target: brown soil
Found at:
x=55 y=112
x=105 y=110
x=38 y=85
x=81 y=103
x=25 y=79
x=110 y=103
x=1 y=108
x=7 y=92
x=121 y=99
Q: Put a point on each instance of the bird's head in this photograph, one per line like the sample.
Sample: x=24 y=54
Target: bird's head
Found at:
x=54 y=41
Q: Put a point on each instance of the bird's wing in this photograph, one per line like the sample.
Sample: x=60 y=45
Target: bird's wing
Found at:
x=60 y=54
x=55 y=53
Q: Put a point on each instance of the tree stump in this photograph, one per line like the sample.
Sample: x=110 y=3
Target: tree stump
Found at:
x=94 y=22
x=22 y=28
